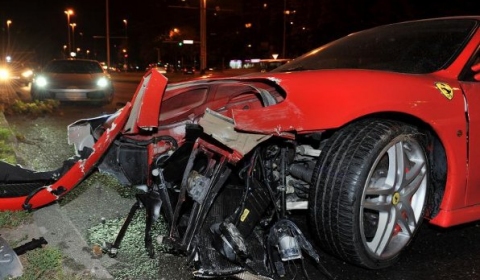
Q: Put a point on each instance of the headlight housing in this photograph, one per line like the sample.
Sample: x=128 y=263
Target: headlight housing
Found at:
x=27 y=74
x=41 y=81
x=4 y=74
x=103 y=82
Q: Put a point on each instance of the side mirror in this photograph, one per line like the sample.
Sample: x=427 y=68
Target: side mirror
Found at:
x=476 y=71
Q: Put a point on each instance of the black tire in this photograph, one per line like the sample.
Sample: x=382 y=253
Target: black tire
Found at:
x=347 y=220
x=36 y=95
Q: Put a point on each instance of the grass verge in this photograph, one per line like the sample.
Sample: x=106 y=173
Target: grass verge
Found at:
x=7 y=153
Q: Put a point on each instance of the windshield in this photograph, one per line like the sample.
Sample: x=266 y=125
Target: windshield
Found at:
x=412 y=47
x=73 y=66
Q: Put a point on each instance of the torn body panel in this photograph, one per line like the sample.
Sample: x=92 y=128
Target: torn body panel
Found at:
x=49 y=192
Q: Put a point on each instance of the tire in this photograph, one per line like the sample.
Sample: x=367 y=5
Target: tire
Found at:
x=34 y=95
x=37 y=95
x=370 y=192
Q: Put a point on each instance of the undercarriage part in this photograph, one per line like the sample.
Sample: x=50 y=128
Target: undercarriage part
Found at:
x=17 y=181
x=209 y=261
x=31 y=245
x=70 y=175
x=126 y=162
x=152 y=203
x=289 y=241
x=252 y=210
x=112 y=248
x=229 y=242
x=197 y=186
x=302 y=171
x=247 y=275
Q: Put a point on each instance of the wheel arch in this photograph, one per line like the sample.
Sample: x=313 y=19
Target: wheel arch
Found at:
x=436 y=155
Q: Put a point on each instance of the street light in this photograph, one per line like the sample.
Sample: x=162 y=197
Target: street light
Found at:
x=203 y=35
x=126 y=30
x=73 y=25
x=8 y=36
x=107 y=20
x=69 y=12
x=125 y=55
x=284 y=28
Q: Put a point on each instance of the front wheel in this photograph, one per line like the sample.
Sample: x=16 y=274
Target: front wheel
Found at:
x=370 y=191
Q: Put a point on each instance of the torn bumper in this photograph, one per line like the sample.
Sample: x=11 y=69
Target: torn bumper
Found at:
x=23 y=189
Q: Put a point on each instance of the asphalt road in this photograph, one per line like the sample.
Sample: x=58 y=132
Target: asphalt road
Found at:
x=437 y=253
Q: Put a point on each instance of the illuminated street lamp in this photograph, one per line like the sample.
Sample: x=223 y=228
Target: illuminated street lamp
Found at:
x=107 y=20
x=9 y=22
x=126 y=41
x=203 y=35
x=69 y=12
x=126 y=28
x=285 y=12
x=73 y=25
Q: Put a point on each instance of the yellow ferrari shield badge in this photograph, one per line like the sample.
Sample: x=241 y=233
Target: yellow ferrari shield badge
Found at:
x=445 y=89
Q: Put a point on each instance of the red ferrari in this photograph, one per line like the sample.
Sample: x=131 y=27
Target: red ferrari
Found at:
x=364 y=137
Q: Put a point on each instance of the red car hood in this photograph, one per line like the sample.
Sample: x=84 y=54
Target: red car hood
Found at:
x=323 y=99
x=326 y=99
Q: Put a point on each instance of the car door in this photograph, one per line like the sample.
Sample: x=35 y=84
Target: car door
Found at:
x=470 y=83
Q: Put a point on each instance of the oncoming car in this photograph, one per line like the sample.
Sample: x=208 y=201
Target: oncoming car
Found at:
x=364 y=138
x=15 y=74
x=73 y=80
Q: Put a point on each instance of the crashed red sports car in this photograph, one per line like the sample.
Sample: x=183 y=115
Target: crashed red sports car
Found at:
x=365 y=137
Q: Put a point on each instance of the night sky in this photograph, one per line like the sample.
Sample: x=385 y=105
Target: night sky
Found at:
x=40 y=27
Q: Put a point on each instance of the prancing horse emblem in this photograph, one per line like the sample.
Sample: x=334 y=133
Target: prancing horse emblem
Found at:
x=445 y=89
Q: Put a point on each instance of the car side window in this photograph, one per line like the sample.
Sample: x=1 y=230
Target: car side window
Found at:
x=476 y=68
x=471 y=73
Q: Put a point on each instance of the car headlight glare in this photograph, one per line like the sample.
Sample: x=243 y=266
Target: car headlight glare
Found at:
x=27 y=73
x=102 y=82
x=4 y=74
x=41 y=81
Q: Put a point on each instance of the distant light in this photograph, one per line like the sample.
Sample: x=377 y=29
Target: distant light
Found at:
x=4 y=74
x=73 y=54
x=235 y=64
x=188 y=42
x=102 y=82
x=8 y=58
x=41 y=81
x=27 y=73
x=275 y=55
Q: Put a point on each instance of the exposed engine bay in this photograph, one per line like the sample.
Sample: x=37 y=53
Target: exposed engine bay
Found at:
x=226 y=195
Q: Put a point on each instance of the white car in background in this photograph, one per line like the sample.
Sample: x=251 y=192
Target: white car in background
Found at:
x=73 y=80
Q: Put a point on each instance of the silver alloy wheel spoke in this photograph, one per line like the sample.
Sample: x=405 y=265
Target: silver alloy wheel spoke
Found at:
x=397 y=195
